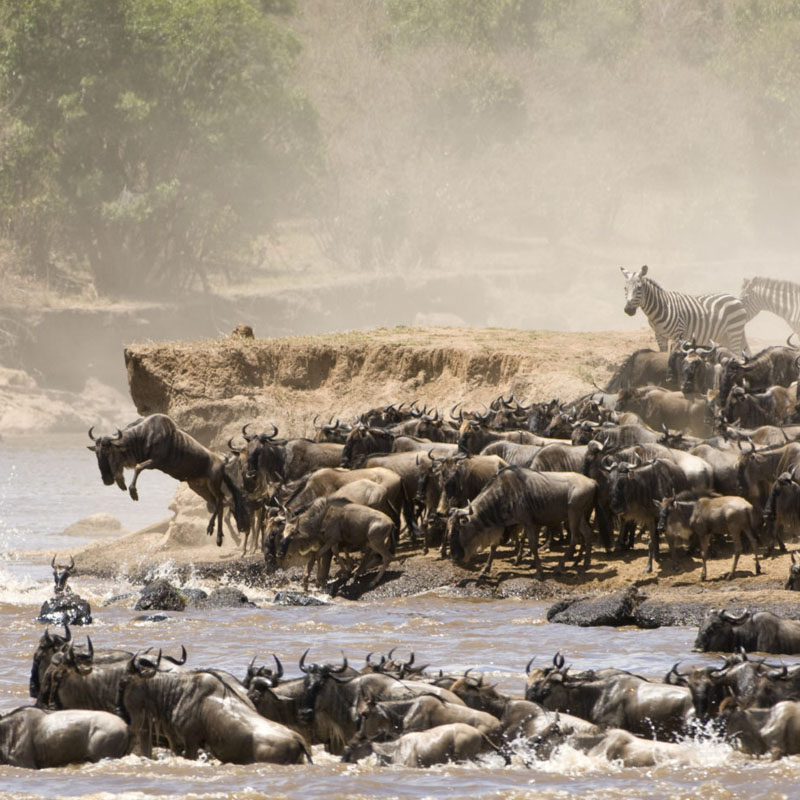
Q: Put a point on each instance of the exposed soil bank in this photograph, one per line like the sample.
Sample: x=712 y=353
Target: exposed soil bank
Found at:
x=212 y=388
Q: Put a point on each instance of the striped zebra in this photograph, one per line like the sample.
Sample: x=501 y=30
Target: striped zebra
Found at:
x=770 y=294
x=679 y=317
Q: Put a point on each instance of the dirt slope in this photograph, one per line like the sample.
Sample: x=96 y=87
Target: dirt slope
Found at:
x=212 y=387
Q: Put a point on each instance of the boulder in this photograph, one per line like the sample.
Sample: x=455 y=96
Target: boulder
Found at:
x=160 y=595
x=289 y=598
x=611 y=610
x=67 y=608
x=227 y=597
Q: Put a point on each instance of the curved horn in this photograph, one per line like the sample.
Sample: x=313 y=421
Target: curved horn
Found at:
x=247 y=437
x=734 y=619
x=93 y=438
x=274 y=431
x=233 y=449
x=279 y=674
x=339 y=670
x=303 y=668
x=314 y=423
x=673 y=671
x=117 y=436
x=71 y=563
x=529 y=665
x=53 y=562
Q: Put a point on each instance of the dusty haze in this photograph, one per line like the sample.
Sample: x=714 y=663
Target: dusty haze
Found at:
x=500 y=179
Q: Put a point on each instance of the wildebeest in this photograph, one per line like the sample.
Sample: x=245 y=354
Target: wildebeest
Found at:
x=685 y=515
x=395 y=717
x=331 y=696
x=453 y=481
x=662 y=408
x=782 y=509
x=273 y=461
x=761 y=632
x=156 y=442
x=61 y=574
x=619 y=746
x=635 y=489
x=774 y=406
x=474 y=435
x=643 y=367
x=759 y=469
x=615 y=699
x=337 y=527
x=37 y=739
x=773 y=366
x=88 y=679
x=202 y=710
x=519 y=497
x=758 y=731
x=441 y=745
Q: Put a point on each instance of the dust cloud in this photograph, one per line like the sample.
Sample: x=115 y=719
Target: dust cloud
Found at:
x=494 y=165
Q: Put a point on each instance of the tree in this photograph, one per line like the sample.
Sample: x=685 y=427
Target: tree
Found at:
x=150 y=140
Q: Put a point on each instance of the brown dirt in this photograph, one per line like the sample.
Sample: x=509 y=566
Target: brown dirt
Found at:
x=213 y=387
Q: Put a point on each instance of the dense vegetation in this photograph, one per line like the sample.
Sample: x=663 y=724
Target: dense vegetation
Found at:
x=155 y=144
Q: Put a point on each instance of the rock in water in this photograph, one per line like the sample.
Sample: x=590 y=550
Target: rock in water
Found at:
x=613 y=610
x=67 y=608
x=160 y=595
x=227 y=597
x=287 y=598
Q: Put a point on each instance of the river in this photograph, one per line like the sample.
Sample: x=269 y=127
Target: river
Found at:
x=48 y=484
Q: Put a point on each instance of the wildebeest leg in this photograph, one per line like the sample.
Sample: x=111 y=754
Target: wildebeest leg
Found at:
x=309 y=566
x=532 y=532
x=132 y=490
x=379 y=542
x=705 y=542
x=485 y=571
x=220 y=509
x=652 y=551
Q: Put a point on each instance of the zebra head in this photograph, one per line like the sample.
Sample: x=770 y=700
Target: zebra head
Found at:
x=634 y=283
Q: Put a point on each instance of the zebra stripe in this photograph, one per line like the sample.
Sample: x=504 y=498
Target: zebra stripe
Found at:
x=770 y=294
x=679 y=317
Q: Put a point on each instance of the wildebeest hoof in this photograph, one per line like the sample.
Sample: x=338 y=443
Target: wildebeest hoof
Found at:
x=134 y=493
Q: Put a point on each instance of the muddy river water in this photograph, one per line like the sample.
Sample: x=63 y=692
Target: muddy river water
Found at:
x=46 y=486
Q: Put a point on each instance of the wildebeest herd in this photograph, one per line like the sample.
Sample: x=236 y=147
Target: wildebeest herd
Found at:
x=94 y=703
x=694 y=445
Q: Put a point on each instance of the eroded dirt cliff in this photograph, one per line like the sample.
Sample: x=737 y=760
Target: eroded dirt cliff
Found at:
x=213 y=387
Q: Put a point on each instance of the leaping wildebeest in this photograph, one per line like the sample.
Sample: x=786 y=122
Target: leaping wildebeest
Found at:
x=156 y=442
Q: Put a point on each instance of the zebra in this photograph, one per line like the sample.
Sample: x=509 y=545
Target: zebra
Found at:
x=770 y=294
x=707 y=319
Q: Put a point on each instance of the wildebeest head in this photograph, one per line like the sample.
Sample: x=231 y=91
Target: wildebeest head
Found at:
x=62 y=573
x=66 y=660
x=316 y=676
x=634 y=289
x=111 y=457
x=49 y=645
x=693 y=369
x=716 y=631
x=456 y=520
x=262 y=458
x=271 y=677
x=538 y=677
x=303 y=534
